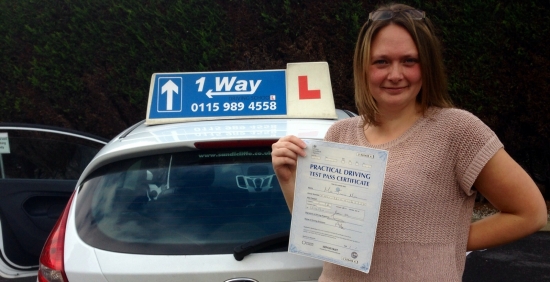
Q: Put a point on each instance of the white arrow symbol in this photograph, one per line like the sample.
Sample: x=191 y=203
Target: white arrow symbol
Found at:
x=169 y=87
x=210 y=93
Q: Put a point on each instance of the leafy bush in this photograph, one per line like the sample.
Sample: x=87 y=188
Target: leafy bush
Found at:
x=87 y=64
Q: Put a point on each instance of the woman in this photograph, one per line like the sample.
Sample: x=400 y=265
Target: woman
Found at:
x=439 y=157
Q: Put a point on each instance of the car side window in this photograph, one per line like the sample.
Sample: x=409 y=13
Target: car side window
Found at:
x=46 y=155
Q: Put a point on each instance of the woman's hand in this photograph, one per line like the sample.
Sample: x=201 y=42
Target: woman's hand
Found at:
x=284 y=156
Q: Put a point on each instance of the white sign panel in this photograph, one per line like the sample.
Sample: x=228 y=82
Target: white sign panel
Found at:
x=309 y=91
x=4 y=143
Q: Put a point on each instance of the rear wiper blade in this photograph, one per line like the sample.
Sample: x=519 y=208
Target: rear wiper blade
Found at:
x=249 y=247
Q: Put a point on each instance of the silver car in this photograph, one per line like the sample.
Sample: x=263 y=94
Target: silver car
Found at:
x=193 y=201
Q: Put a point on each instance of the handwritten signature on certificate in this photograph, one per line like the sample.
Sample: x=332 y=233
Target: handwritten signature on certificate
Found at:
x=337 y=202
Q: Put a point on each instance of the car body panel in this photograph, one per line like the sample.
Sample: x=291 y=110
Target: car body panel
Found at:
x=262 y=267
x=80 y=259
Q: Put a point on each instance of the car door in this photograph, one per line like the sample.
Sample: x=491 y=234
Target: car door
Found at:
x=39 y=167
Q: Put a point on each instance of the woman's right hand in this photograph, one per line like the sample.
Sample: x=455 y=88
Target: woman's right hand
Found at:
x=284 y=156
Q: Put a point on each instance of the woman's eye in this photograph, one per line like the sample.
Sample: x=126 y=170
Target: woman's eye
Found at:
x=379 y=62
x=411 y=61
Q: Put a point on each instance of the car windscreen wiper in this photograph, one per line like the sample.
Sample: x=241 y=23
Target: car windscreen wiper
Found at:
x=249 y=247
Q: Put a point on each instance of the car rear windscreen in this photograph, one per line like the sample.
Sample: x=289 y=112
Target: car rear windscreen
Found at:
x=185 y=203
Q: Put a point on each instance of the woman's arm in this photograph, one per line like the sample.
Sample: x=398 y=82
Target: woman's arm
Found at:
x=284 y=156
x=509 y=189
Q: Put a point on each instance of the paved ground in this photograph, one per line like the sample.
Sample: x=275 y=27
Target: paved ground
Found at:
x=527 y=259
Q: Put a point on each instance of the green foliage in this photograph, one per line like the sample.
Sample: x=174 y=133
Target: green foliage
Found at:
x=351 y=15
x=498 y=65
x=87 y=64
x=276 y=15
x=66 y=51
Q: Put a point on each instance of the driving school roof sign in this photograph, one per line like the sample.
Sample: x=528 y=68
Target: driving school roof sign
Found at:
x=303 y=90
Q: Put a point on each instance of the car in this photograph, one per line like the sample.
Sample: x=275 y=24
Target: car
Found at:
x=194 y=199
x=39 y=168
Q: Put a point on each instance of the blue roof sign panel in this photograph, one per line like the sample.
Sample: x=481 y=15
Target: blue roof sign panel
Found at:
x=179 y=97
x=216 y=94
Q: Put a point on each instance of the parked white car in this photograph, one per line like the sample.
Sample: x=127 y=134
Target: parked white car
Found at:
x=184 y=201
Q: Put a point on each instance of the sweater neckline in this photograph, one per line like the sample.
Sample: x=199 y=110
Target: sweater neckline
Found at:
x=410 y=131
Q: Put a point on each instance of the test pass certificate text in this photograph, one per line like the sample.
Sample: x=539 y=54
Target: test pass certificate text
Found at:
x=337 y=202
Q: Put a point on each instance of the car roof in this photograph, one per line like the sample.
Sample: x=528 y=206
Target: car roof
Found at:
x=142 y=139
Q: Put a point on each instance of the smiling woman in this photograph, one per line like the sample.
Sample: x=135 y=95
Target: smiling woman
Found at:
x=394 y=81
x=409 y=37
x=395 y=77
x=439 y=158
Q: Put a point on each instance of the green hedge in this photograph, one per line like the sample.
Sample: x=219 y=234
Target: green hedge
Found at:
x=87 y=64
x=62 y=57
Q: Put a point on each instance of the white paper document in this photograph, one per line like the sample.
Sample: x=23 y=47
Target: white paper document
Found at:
x=337 y=202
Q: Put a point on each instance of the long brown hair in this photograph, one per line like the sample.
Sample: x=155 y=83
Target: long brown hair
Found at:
x=434 y=79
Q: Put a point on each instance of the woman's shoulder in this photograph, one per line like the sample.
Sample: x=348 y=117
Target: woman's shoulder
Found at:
x=453 y=116
x=450 y=113
x=343 y=128
x=459 y=122
x=347 y=123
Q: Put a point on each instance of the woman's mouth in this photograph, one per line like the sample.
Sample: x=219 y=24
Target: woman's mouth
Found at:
x=394 y=90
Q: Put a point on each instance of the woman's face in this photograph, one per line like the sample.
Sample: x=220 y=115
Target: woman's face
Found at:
x=394 y=77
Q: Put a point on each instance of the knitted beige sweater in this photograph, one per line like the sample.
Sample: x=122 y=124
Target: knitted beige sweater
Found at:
x=427 y=200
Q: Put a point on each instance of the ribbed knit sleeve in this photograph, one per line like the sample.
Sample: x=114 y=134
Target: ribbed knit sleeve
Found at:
x=475 y=144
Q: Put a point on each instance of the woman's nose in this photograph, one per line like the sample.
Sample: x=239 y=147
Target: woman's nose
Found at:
x=395 y=73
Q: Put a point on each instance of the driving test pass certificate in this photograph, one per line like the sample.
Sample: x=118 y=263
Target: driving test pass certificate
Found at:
x=337 y=202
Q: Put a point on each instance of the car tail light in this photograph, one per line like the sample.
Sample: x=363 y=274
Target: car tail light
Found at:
x=234 y=144
x=52 y=268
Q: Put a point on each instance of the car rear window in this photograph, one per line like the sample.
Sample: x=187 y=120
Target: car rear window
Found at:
x=195 y=202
